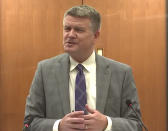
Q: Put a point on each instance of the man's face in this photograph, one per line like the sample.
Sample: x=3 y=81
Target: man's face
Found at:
x=78 y=37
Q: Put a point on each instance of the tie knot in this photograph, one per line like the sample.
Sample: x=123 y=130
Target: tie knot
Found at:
x=79 y=67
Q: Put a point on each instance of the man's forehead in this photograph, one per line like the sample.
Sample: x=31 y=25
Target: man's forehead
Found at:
x=76 y=19
x=73 y=24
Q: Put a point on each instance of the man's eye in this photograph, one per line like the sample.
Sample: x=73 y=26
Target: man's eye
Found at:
x=67 y=29
x=79 y=30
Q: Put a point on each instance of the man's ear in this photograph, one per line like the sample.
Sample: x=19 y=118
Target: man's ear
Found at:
x=97 y=34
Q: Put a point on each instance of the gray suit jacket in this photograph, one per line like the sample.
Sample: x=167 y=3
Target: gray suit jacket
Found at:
x=48 y=99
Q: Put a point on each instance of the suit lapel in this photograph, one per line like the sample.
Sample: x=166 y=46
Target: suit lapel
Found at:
x=102 y=82
x=63 y=76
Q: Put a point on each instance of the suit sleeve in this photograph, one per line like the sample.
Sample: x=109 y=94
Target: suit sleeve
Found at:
x=36 y=105
x=127 y=121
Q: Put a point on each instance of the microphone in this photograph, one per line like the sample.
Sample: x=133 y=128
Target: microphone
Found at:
x=27 y=123
x=129 y=104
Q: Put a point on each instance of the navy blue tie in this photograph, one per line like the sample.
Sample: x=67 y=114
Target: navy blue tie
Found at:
x=80 y=90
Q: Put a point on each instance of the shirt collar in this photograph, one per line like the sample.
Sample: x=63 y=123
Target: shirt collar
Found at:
x=87 y=63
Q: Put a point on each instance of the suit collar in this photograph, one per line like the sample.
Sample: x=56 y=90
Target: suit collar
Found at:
x=87 y=63
x=63 y=76
x=103 y=73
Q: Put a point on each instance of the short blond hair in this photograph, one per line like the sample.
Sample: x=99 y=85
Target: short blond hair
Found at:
x=84 y=11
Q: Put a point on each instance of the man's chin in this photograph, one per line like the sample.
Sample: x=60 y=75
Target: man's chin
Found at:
x=69 y=51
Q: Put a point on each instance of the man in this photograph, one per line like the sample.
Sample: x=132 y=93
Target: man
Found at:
x=53 y=100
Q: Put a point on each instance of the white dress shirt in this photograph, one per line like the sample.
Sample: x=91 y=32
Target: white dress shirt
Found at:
x=90 y=77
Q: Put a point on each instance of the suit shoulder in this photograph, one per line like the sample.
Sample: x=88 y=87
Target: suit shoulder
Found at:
x=54 y=60
x=114 y=64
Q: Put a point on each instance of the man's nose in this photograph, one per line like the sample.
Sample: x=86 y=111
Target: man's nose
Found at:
x=72 y=33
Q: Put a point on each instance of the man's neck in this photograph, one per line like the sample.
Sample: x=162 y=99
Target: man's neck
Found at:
x=80 y=58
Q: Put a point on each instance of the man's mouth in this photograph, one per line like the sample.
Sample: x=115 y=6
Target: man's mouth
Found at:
x=70 y=42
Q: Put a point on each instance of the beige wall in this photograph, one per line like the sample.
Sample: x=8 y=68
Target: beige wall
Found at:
x=132 y=32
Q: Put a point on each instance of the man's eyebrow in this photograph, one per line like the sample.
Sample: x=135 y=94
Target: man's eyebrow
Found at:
x=79 y=27
x=66 y=25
